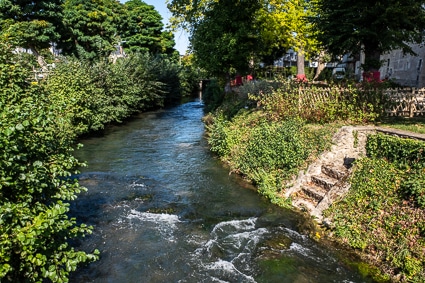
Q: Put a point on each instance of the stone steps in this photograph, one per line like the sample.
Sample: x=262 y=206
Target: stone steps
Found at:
x=314 y=191
x=335 y=172
x=325 y=179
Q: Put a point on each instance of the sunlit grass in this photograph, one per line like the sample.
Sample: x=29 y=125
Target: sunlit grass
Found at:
x=416 y=124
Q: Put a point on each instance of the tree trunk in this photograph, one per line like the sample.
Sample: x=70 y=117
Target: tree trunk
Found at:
x=321 y=65
x=300 y=63
x=300 y=66
x=372 y=60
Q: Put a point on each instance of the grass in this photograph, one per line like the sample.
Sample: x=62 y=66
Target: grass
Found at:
x=415 y=124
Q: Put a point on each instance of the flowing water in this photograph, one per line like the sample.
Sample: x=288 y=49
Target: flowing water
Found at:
x=165 y=210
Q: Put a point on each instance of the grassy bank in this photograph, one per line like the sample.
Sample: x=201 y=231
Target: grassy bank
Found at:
x=263 y=134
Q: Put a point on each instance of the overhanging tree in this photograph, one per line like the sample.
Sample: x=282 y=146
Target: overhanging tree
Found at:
x=225 y=38
x=36 y=162
x=374 y=27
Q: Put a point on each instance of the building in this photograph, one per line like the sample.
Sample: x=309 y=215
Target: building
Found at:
x=405 y=69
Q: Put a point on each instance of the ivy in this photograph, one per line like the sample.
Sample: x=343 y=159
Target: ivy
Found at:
x=406 y=153
x=383 y=213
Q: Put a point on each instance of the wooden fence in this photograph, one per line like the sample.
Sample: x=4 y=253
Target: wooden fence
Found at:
x=404 y=102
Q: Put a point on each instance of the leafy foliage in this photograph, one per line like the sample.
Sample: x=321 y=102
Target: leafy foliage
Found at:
x=92 y=27
x=92 y=95
x=373 y=218
x=225 y=38
x=408 y=156
x=35 y=165
x=285 y=24
x=266 y=152
x=190 y=76
x=372 y=26
x=31 y=24
x=142 y=29
x=87 y=29
x=387 y=202
x=406 y=153
x=213 y=96
x=321 y=105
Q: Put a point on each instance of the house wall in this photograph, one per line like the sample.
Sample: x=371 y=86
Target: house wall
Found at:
x=405 y=69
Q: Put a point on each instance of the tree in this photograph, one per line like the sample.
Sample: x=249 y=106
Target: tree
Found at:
x=32 y=25
x=92 y=27
x=188 y=12
x=225 y=38
x=285 y=24
x=373 y=27
x=142 y=29
x=276 y=26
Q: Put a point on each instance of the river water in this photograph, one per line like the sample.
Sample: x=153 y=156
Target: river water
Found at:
x=165 y=210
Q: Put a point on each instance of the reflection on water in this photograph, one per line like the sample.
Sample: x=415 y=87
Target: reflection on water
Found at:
x=164 y=210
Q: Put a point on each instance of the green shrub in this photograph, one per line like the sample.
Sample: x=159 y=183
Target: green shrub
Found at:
x=255 y=88
x=213 y=96
x=92 y=94
x=76 y=97
x=273 y=147
x=35 y=164
x=322 y=105
x=267 y=153
x=168 y=73
x=408 y=156
x=406 y=153
x=218 y=136
x=413 y=186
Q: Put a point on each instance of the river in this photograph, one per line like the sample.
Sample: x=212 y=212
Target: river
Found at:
x=165 y=210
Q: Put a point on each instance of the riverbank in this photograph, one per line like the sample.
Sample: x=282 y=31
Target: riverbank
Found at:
x=326 y=179
x=372 y=205
x=366 y=207
x=373 y=217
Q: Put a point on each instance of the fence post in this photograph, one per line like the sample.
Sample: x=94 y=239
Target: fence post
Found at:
x=411 y=100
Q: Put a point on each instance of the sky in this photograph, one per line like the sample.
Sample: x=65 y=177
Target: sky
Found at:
x=181 y=37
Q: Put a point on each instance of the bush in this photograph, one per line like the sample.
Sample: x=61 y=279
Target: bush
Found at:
x=408 y=155
x=77 y=98
x=213 y=96
x=317 y=104
x=383 y=213
x=273 y=147
x=267 y=153
x=91 y=95
x=39 y=123
x=35 y=164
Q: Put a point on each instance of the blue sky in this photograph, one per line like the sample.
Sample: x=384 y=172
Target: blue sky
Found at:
x=180 y=37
